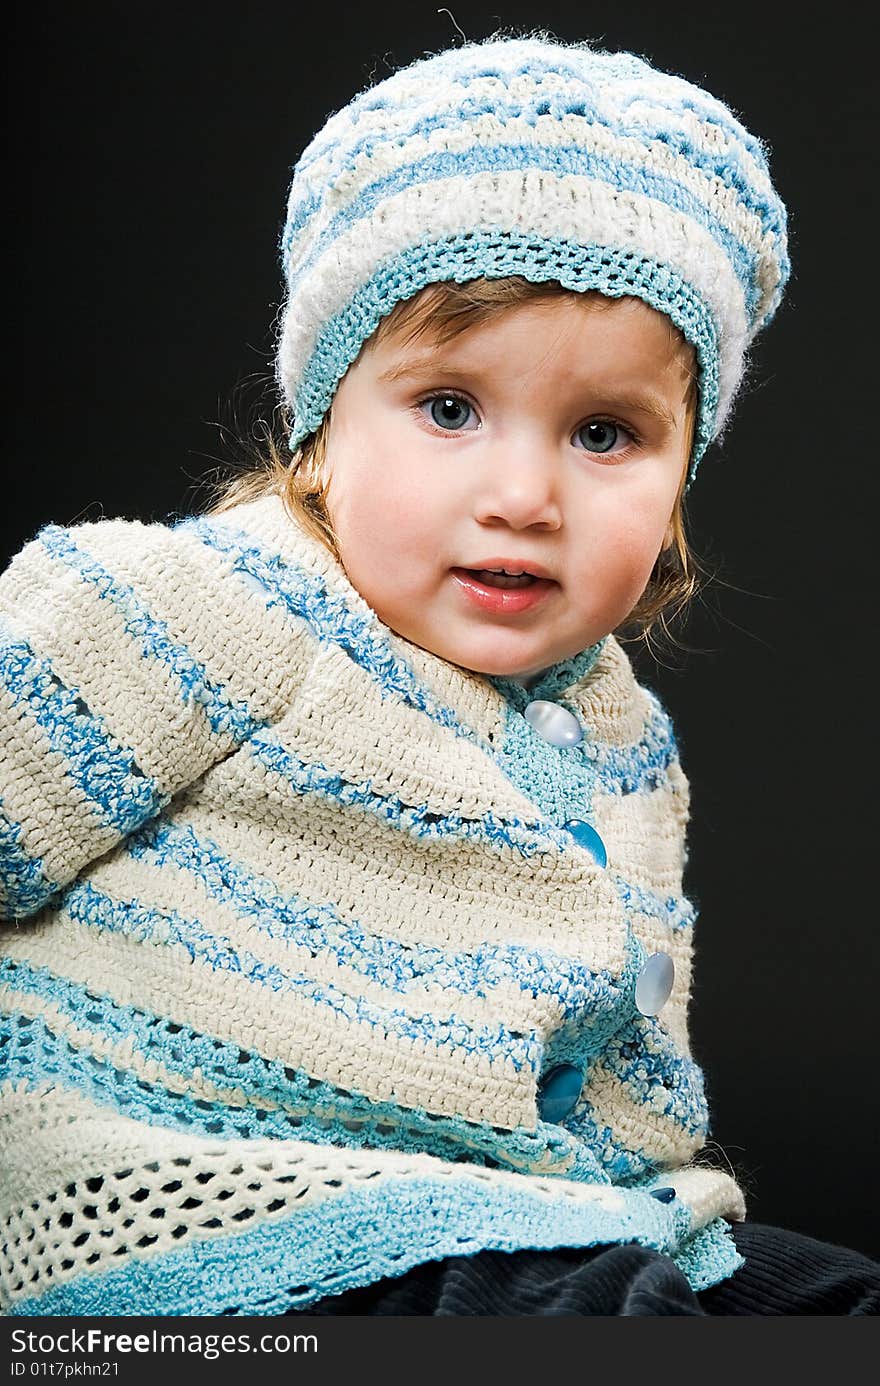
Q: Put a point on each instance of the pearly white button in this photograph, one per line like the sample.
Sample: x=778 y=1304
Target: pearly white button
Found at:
x=556 y=724
x=654 y=984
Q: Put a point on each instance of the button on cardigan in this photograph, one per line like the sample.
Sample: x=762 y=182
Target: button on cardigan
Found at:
x=297 y=929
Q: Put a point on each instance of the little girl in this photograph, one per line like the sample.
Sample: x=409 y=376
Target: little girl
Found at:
x=347 y=966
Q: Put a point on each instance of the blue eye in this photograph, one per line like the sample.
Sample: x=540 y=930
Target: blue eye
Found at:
x=600 y=435
x=449 y=411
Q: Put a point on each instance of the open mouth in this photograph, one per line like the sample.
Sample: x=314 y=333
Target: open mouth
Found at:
x=504 y=580
x=502 y=594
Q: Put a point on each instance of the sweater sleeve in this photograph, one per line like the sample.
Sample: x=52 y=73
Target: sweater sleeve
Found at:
x=132 y=658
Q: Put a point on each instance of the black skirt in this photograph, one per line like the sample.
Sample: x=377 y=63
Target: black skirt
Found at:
x=785 y=1273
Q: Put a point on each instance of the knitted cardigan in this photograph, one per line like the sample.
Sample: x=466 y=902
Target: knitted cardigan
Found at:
x=295 y=930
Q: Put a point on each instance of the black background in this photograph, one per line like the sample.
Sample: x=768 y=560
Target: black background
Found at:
x=152 y=145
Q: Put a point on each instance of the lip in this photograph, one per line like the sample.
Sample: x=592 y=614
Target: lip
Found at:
x=508 y=601
x=512 y=564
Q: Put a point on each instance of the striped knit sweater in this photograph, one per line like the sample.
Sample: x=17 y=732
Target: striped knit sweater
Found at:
x=295 y=932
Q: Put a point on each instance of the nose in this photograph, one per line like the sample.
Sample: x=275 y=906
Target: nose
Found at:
x=518 y=483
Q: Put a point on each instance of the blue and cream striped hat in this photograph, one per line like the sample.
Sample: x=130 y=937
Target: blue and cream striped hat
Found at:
x=530 y=157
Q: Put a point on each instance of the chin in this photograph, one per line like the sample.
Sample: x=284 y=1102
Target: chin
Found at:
x=502 y=669
x=492 y=668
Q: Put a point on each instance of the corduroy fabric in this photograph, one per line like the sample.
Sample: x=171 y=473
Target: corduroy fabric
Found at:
x=298 y=928
x=784 y=1274
x=534 y=158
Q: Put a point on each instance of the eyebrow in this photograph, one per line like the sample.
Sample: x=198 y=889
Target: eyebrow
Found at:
x=638 y=401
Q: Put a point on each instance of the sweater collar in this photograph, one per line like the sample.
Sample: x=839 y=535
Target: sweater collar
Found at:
x=551 y=683
x=267 y=520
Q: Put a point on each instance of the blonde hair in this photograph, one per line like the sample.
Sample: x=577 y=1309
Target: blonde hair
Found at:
x=442 y=312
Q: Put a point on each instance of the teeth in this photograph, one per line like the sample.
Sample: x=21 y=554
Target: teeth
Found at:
x=498 y=578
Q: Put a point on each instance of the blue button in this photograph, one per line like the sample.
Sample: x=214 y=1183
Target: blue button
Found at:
x=559 y=1091
x=666 y=1194
x=585 y=835
x=654 y=984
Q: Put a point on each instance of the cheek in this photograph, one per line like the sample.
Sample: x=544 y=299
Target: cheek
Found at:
x=382 y=501
x=634 y=528
x=621 y=547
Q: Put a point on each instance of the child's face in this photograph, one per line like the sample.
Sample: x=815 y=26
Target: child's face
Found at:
x=519 y=440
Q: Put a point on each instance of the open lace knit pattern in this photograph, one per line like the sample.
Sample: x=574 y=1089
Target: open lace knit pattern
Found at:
x=295 y=929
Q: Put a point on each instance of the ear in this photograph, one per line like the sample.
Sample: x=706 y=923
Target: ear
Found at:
x=668 y=538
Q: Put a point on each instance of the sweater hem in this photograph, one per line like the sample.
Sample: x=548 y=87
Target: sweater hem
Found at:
x=368 y=1234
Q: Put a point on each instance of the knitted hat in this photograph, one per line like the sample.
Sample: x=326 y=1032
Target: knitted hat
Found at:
x=530 y=157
